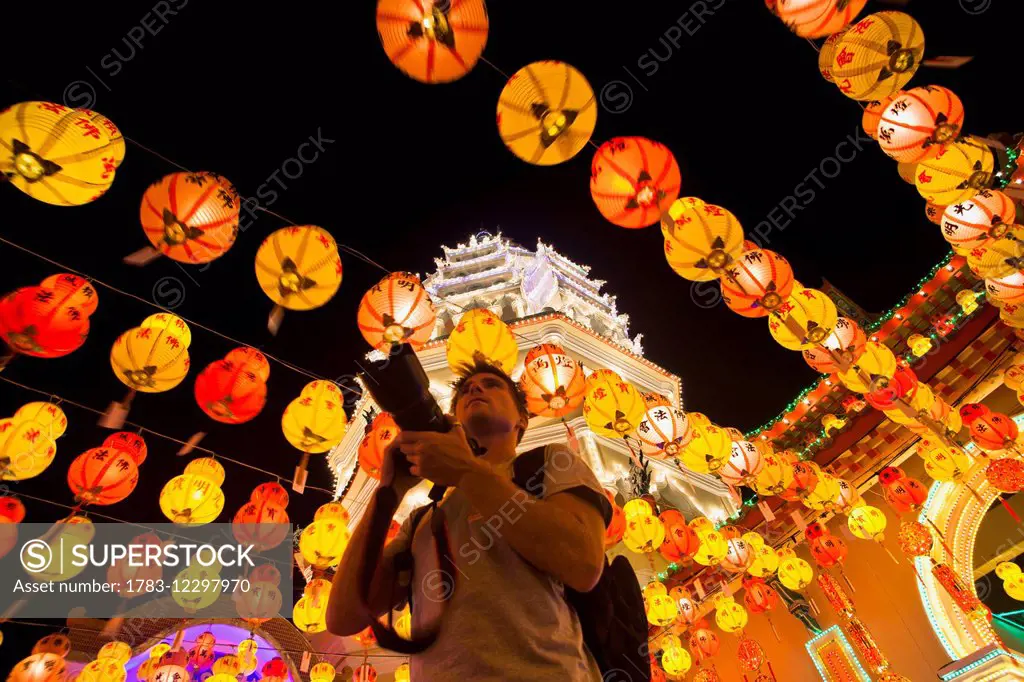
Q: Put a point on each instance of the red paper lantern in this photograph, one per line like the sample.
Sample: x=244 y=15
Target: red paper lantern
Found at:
x=191 y=217
x=130 y=443
x=972 y=411
x=890 y=475
x=275 y=668
x=993 y=431
x=382 y=432
x=552 y=381
x=253 y=361
x=262 y=523
x=229 y=392
x=72 y=290
x=847 y=341
x=805 y=478
x=271 y=492
x=11 y=510
x=657 y=674
x=818 y=18
x=756 y=283
x=681 y=541
x=902 y=384
x=750 y=655
x=1006 y=475
x=202 y=654
x=934 y=212
x=759 y=597
x=396 y=310
x=905 y=495
x=617 y=528
x=915 y=538
x=633 y=180
x=916 y=124
x=365 y=673
x=815 y=530
x=34 y=322
x=703 y=642
x=829 y=550
x=103 y=476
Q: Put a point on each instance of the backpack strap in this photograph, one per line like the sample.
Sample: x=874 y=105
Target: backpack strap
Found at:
x=403 y=561
x=528 y=474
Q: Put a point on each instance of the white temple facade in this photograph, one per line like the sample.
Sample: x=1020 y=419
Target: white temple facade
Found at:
x=544 y=298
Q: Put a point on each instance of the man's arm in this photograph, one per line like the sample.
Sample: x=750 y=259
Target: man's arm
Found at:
x=561 y=535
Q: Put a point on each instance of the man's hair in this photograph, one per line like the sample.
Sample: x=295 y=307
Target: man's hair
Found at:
x=481 y=366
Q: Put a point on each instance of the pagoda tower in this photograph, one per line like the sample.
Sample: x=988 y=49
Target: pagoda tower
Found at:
x=544 y=298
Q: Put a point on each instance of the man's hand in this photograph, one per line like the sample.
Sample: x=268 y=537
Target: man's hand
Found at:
x=443 y=458
x=394 y=470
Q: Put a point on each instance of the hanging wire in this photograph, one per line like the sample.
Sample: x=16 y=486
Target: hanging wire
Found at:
x=141 y=428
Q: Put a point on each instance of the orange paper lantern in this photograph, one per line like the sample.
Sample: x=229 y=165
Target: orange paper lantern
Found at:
x=818 y=18
x=633 y=181
x=381 y=434
x=847 y=341
x=103 y=476
x=191 y=217
x=915 y=125
x=433 y=41
x=396 y=310
x=873 y=112
x=757 y=282
x=552 y=381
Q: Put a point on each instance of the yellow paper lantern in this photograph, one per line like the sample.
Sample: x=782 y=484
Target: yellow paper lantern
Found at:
x=700 y=241
x=227 y=665
x=48 y=415
x=207 y=467
x=730 y=616
x=612 y=407
x=120 y=652
x=171 y=673
x=39 y=668
x=323 y=542
x=150 y=360
x=824 y=494
x=766 y=562
x=1007 y=569
x=546 y=113
x=997 y=258
x=878 y=55
x=867 y=522
x=794 y=572
x=58 y=155
x=920 y=403
x=172 y=324
x=919 y=344
x=774 y=477
x=661 y=610
x=944 y=464
x=25 y=449
x=192 y=499
x=1015 y=587
x=315 y=421
x=219 y=677
x=636 y=508
x=708 y=450
x=875 y=363
x=676 y=661
x=402 y=673
x=158 y=651
x=806 y=319
x=481 y=336
x=103 y=670
x=197 y=586
x=713 y=548
x=67 y=537
x=967 y=300
x=323 y=672
x=56 y=643
x=653 y=589
x=644 y=534
x=956 y=174
x=310 y=611
x=701 y=525
x=299 y=268
x=145 y=670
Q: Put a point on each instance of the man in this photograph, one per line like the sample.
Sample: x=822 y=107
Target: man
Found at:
x=507 y=618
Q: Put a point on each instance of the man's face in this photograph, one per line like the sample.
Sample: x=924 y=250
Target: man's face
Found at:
x=486 y=405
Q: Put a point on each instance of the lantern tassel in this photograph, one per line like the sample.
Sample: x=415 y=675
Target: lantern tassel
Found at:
x=299 y=480
x=570 y=436
x=814 y=606
x=192 y=443
x=1009 y=509
x=774 y=630
x=143 y=256
x=274 y=321
x=116 y=414
x=891 y=555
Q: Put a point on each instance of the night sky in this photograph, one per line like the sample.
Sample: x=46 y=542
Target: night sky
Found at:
x=235 y=89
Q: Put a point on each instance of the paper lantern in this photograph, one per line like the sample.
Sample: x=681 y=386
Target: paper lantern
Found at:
x=661 y=610
x=315 y=421
x=612 y=407
x=546 y=113
x=72 y=290
x=730 y=616
x=58 y=155
x=916 y=124
x=774 y=477
x=130 y=443
x=230 y=393
x=701 y=241
x=12 y=511
x=379 y=436
x=396 y=310
x=310 y=612
x=481 y=336
x=708 y=450
x=25 y=449
x=191 y=217
x=47 y=415
x=933 y=212
x=70 y=537
x=681 y=541
x=365 y=673
x=956 y=173
x=685 y=603
x=322 y=672
x=805 y=479
x=433 y=41
x=818 y=18
x=824 y=494
x=713 y=548
x=644 y=534
x=39 y=668
x=902 y=385
x=908 y=173
x=945 y=464
x=323 y=542
x=149 y=360
x=867 y=522
x=826 y=57
x=872 y=110
x=208 y=468
x=633 y=181
x=201 y=655
x=905 y=495
x=617 y=528
x=57 y=644
x=760 y=597
x=194 y=497
x=119 y=652
x=970 y=223
x=102 y=476
x=171 y=323
x=875 y=364
x=739 y=555
x=744 y=464
x=637 y=508
x=552 y=381
x=704 y=643
x=998 y=258
x=847 y=498
x=196 y=587
x=262 y=523
x=299 y=268
x=915 y=539
x=33 y=322
x=402 y=673
x=664 y=429
x=756 y=283
x=994 y=431
x=804 y=320
x=878 y=56
x=676 y=661
x=828 y=550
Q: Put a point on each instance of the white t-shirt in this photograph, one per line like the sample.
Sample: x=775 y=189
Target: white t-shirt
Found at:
x=506 y=620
